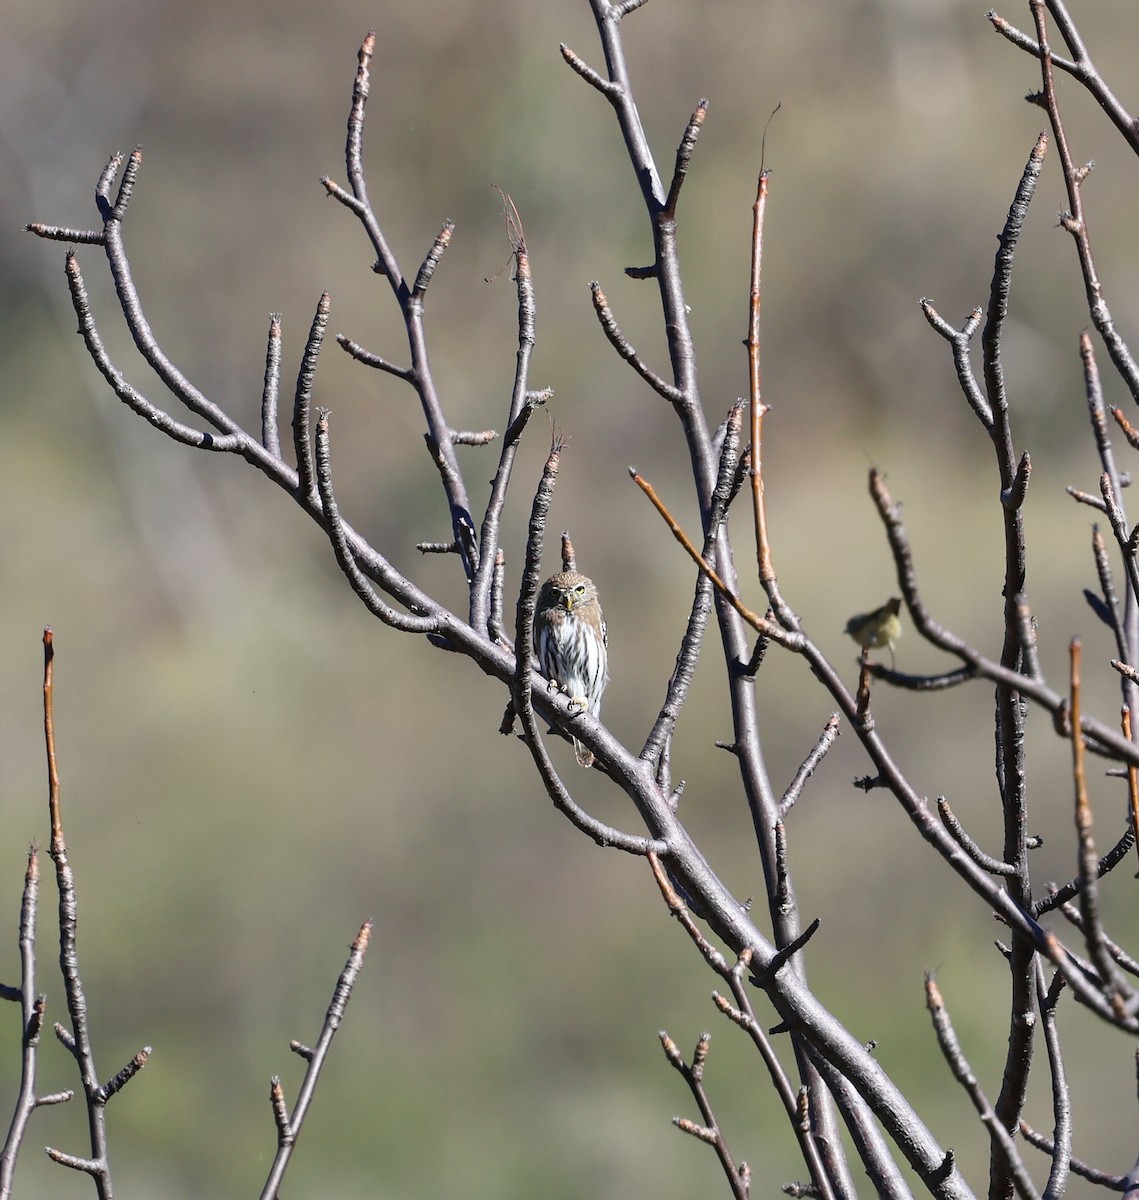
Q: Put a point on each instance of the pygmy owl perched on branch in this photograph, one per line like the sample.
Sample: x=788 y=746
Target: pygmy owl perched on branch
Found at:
x=571 y=643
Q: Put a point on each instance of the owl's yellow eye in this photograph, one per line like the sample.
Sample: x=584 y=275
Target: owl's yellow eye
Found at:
x=580 y=589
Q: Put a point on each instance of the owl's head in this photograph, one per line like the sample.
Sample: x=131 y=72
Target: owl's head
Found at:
x=568 y=590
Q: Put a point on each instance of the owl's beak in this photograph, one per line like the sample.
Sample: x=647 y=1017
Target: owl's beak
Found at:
x=567 y=600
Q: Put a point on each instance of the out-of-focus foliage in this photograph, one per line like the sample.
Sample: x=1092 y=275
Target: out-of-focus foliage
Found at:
x=251 y=766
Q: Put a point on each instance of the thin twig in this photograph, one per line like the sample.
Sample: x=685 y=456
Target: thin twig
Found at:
x=1080 y=67
x=1046 y=1001
x=921 y=683
x=1115 y=1183
x=767 y=576
x=684 y=158
x=522 y=406
x=619 y=343
x=302 y=400
x=1075 y=220
x=807 y=767
x=77 y=1039
x=1129 y=430
x=786 y=638
x=710 y=1132
x=1107 y=594
x=681 y=678
x=985 y=861
x=289 y=1126
x=1125 y=961
x=744 y=1016
x=1082 y=497
x=32 y=1014
x=1072 y=888
x=1011 y=709
x=959 y=339
x=161 y=420
x=963 y=1073
x=376 y=361
x=1110 y=978
x=578 y=64
x=410 y=301
x=494 y=624
x=61 y=233
x=270 y=393
x=431 y=259
x=1125 y=619
x=408 y=622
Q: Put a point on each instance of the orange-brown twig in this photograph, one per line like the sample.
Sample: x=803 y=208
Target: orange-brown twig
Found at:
x=758 y=408
x=1089 y=863
x=1129 y=430
x=755 y=383
x=49 y=739
x=758 y=623
x=1083 y=806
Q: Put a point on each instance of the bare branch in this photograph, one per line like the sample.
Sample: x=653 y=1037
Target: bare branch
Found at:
x=270 y=394
x=1075 y=221
x=32 y=1013
x=710 y=1131
x=123 y=1077
x=1070 y=890
x=959 y=340
x=60 y=233
x=807 y=767
x=1117 y=1183
x=684 y=157
x=78 y=1039
x=1112 y=981
x=1079 y=67
x=409 y=623
x=289 y=1127
x=985 y=861
x=431 y=260
x=619 y=343
x=758 y=410
x=523 y=402
x=161 y=420
x=373 y=360
x=410 y=300
x=607 y=89
x=681 y=678
x=963 y=1073
x=302 y=402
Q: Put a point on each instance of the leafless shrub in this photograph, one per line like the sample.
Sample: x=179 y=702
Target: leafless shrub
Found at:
x=77 y=1036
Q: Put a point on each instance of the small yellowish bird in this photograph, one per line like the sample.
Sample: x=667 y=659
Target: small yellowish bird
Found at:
x=882 y=627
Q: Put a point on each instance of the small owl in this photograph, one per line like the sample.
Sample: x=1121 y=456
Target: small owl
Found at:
x=571 y=643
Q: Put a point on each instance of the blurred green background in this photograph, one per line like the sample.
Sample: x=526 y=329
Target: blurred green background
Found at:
x=252 y=766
